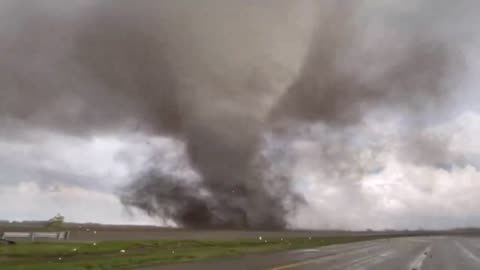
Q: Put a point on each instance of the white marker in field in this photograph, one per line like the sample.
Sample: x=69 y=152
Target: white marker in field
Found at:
x=122 y=251
x=260 y=238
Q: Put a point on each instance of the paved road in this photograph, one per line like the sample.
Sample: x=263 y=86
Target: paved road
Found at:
x=420 y=253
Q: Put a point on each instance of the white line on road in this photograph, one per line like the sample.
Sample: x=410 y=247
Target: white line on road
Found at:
x=304 y=250
x=330 y=257
x=467 y=252
x=363 y=262
x=419 y=240
x=418 y=262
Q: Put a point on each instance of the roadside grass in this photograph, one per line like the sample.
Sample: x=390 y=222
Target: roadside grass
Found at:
x=108 y=255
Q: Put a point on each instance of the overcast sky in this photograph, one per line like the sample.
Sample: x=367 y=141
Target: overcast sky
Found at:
x=389 y=170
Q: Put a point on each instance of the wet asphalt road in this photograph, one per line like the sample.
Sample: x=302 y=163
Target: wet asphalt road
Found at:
x=420 y=253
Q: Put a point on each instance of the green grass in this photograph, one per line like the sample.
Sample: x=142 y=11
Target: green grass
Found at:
x=107 y=255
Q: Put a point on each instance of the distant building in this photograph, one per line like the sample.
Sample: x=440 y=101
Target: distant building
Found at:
x=56 y=221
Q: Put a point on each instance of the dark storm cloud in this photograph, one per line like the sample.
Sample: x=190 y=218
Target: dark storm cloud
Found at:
x=355 y=69
x=120 y=63
x=341 y=81
x=133 y=50
x=203 y=73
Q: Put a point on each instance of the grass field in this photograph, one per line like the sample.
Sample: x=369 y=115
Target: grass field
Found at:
x=109 y=255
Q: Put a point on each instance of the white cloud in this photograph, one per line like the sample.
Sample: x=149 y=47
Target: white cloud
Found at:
x=401 y=194
x=28 y=201
x=80 y=178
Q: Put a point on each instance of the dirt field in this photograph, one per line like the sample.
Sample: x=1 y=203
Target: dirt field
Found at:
x=92 y=232
x=97 y=232
x=103 y=235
